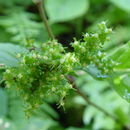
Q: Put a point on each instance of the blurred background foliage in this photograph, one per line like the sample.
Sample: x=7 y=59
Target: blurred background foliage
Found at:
x=20 y=23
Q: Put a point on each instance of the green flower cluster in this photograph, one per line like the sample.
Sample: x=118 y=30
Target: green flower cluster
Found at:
x=41 y=74
x=89 y=50
x=42 y=71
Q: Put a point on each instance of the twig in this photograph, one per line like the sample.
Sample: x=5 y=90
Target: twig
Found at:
x=41 y=10
x=72 y=81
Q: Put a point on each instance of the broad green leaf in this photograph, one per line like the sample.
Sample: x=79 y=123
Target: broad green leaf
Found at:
x=20 y=26
x=3 y=103
x=120 y=34
x=16 y=109
x=17 y=115
x=120 y=79
x=94 y=72
x=48 y=110
x=101 y=123
x=8 y=54
x=88 y=115
x=124 y=119
x=64 y=10
x=123 y=4
x=121 y=55
x=121 y=83
x=39 y=124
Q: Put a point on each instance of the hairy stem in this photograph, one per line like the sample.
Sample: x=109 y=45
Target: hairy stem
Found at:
x=41 y=10
x=72 y=81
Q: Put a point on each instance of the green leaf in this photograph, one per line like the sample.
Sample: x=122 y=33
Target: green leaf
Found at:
x=64 y=10
x=123 y=4
x=88 y=115
x=3 y=103
x=94 y=72
x=48 y=109
x=124 y=119
x=121 y=55
x=121 y=83
x=120 y=34
x=120 y=79
x=21 y=26
x=40 y=124
x=8 y=54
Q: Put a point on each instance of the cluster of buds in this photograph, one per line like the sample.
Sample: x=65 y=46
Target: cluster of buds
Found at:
x=89 y=50
x=42 y=71
x=41 y=74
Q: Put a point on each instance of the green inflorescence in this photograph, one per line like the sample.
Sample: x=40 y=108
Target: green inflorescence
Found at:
x=89 y=50
x=43 y=70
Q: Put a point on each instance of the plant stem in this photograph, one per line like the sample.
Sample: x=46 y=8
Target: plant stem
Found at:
x=72 y=81
x=41 y=10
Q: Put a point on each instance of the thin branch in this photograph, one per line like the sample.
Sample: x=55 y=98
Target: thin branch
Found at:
x=72 y=81
x=41 y=10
